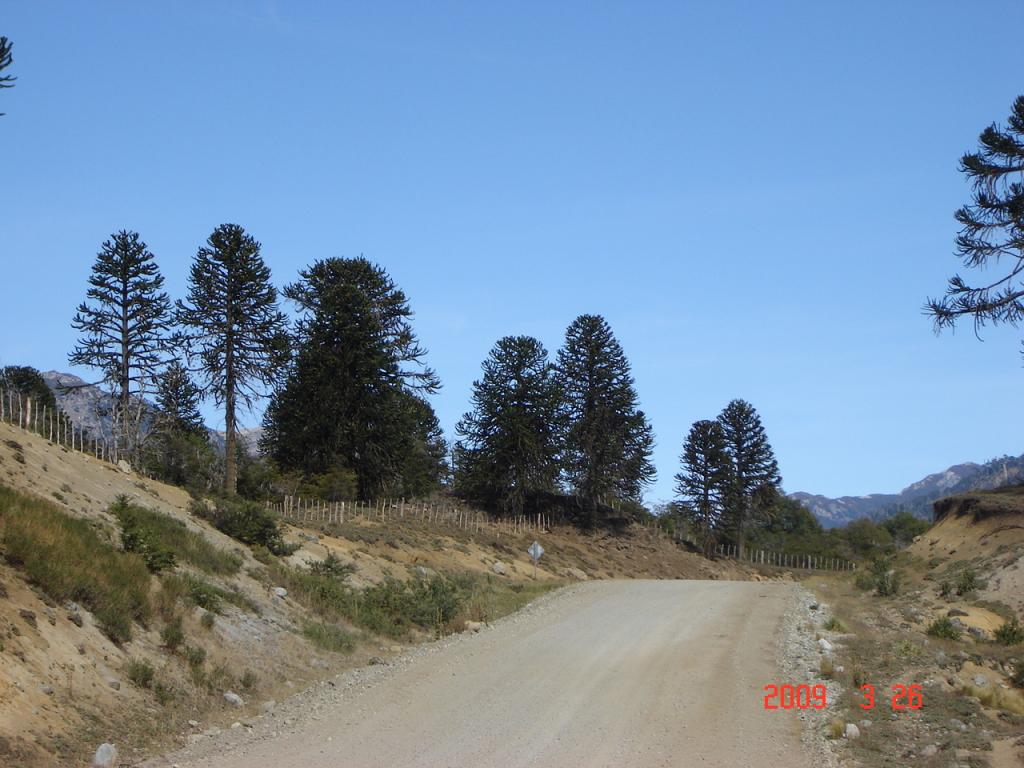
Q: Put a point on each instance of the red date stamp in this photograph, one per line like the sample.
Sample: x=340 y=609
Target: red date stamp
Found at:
x=795 y=697
x=903 y=697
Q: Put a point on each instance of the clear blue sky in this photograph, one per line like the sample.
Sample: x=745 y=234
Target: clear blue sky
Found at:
x=758 y=196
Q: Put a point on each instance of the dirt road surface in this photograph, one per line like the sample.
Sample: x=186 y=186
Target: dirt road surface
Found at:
x=609 y=673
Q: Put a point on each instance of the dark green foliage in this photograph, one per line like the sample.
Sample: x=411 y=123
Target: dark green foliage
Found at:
x=141 y=673
x=886 y=577
x=329 y=637
x=124 y=324
x=352 y=397
x=6 y=59
x=967 y=581
x=903 y=527
x=705 y=480
x=172 y=635
x=29 y=382
x=755 y=473
x=992 y=231
x=608 y=441
x=332 y=567
x=1010 y=633
x=68 y=560
x=177 y=450
x=866 y=539
x=511 y=439
x=944 y=628
x=245 y=521
x=233 y=328
x=161 y=540
x=177 y=401
x=391 y=608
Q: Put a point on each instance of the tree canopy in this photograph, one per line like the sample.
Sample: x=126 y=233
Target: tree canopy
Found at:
x=991 y=236
x=510 y=440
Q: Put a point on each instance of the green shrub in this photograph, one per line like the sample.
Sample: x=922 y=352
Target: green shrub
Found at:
x=864 y=580
x=834 y=625
x=944 y=628
x=141 y=673
x=967 y=581
x=1017 y=678
x=194 y=655
x=208 y=620
x=945 y=588
x=165 y=694
x=1010 y=633
x=887 y=584
x=68 y=560
x=329 y=637
x=212 y=598
x=162 y=540
x=333 y=567
x=246 y=521
x=248 y=680
x=172 y=635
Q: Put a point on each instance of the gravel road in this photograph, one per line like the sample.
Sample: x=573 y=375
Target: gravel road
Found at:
x=607 y=673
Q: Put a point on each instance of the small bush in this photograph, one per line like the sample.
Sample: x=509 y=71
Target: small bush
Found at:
x=834 y=625
x=329 y=637
x=208 y=620
x=162 y=540
x=333 y=567
x=944 y=628
x=836 y=728
x=1010 y=633
x=967 y=581
x=864 y=580
x=945 y=588
x=246 y=521
x=141 y=673
x=172 y=635
x=173 y=591
x=194 y=656
x=248 y=680
x=165 y=694
x=68 y=560
x=1017 y=678
x=212 y=598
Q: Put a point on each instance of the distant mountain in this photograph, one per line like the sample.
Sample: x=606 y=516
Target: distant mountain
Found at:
x=89 y=407
x=918 y=497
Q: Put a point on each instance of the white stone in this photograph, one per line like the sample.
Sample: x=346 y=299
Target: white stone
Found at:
x=233 y=699
x=499 y=568
x=280 y=591
x=824 y=644
x=105 y=757
x=852 y=731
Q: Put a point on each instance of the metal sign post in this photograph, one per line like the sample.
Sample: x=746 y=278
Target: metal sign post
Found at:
x=535 y=551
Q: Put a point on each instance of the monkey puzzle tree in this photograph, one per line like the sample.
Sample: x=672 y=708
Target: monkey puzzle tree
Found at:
x=124 y=324
x=608 y=441
x=754 y=471
x=705 y=479
x=510 y=440
x=233 y=328
x=352 y=396
x=6 y=59
x=992 y=231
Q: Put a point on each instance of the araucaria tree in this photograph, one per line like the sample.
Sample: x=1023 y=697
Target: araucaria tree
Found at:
x=510 y=440
x=233 y=328
x=124 y=324
x=353 y=398
x=177 y=400
x=705 y=480
x=755 y=473
x=178 y=449
x=608 y=441
x=6 y=59
x=992 y=231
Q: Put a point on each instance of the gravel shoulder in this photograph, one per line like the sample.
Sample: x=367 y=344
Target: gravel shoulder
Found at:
x=607 y=673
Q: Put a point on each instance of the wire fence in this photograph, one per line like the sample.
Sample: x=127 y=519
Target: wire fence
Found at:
x=785 y=560
x=55 y=425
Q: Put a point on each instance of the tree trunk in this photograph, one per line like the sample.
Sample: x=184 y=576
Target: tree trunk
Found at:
x=230 y=454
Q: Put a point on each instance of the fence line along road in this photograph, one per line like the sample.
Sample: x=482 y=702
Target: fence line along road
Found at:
x=784 y=560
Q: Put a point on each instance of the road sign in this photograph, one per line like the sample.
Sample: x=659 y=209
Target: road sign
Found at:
x=535 y=551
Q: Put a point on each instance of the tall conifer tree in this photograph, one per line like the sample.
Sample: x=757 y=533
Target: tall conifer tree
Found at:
x=608 y=441
x=992 y=231
x=353 y=396
x=705 y=479
x=510 y=440
x=124 y=324
x=755 y=473
x=233 y=327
